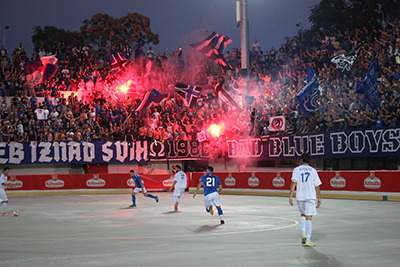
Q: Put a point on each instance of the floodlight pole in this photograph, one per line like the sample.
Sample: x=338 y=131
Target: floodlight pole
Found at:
x=4 y=36
x=245 y=49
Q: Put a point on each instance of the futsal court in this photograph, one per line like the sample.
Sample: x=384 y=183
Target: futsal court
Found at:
x=99 y=230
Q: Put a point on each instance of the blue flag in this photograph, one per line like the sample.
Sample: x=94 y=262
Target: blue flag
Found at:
x=370 y=87
x=40 y=70
x=152 y=97
x=329 y=44
x=189 y=93
x=307 y=97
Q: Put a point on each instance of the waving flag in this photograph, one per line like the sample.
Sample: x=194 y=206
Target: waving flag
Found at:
x=40 y=70
x=307 y=97
x=345 y=62
x=277 y=123
x=370 y=87
x=118 y=63
x=213 y=47
x=152 y=97
x=225 y=97
x=189 y=93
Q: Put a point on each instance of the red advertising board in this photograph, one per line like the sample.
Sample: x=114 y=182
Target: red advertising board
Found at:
x=86 y=181
x=362 y=181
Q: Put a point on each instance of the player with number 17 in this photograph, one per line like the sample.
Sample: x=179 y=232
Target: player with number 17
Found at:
x=212 y=187
x=306 y=181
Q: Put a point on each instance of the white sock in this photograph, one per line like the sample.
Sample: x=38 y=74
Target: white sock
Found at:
x=303 y=225
x=308 y=230
x=175 y=199
x=3 y=207
x=221 y=217
x=178 y=199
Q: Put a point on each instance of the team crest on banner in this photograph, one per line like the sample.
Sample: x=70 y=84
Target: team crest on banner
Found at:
x=277 y=123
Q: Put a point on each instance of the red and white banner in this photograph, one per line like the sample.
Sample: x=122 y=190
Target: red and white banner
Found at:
x=87 y=181
x=355 y=181
x=360 y=181
x=277 y=123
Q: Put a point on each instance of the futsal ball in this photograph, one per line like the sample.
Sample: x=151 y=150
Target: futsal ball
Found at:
x=16 y=213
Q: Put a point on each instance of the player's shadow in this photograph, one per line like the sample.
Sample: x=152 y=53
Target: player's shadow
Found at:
x=205 y=228
x=317 y=259
x=171 y=212
x=127 y=208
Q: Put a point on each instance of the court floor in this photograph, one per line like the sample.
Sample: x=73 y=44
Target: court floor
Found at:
x=99 y=230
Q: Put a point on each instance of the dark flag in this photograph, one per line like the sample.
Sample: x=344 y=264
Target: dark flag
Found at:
x=307 y=97
x=152 y=97
x=118 y=63
x=370 y=87
x=189 y=93
x=213 y=47
x=345 y=62
x=40 y=70
x=225 y=97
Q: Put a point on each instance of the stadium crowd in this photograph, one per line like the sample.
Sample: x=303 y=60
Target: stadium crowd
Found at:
x=276 y=76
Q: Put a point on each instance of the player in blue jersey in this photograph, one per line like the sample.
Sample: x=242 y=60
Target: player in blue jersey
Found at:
x=139 y=188
x=212 y=186
x=306 y=180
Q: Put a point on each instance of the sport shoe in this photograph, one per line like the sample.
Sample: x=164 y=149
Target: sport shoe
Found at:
x=310 y=244
x=132 y=206
x=303 y=239
x=222 y=222
x=211 y=210
x=156 y=199
x=176 y=206
x=3 y=213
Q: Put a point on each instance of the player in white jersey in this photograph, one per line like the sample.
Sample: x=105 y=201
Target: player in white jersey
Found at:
x=307 y=181
x=3 y=185
x=180 y=183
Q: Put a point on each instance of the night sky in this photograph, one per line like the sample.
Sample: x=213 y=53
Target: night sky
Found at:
x=178 y=22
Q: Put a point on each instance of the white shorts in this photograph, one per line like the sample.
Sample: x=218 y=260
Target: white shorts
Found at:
x=178 y=192
x=138 y=190
x=3 y=196
x=307 y=207
x=212 y=199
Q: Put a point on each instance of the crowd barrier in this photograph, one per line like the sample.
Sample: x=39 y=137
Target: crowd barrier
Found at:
x=379 y=185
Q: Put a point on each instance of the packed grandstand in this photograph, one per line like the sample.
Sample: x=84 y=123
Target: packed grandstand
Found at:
x=80 y=104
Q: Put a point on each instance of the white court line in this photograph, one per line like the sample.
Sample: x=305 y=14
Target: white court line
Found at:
x=293 y=223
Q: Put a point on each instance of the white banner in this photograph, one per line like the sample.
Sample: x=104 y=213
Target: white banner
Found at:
x=277 y=123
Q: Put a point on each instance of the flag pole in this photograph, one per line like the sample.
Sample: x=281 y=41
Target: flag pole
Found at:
x=255 y=119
